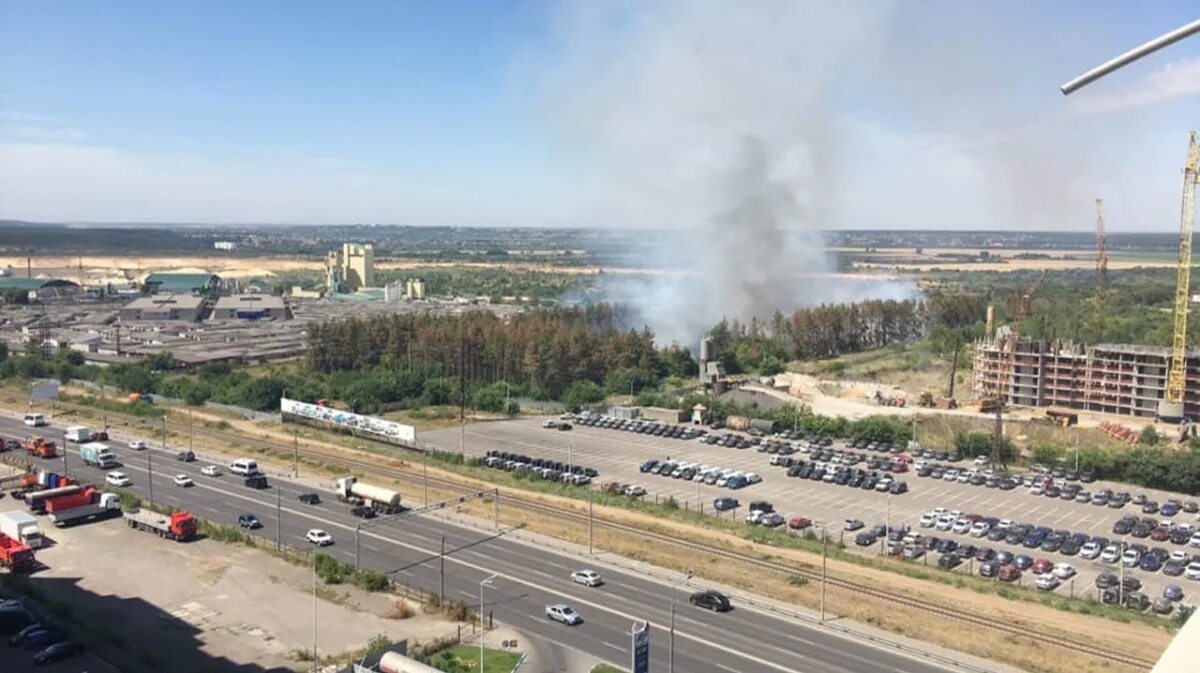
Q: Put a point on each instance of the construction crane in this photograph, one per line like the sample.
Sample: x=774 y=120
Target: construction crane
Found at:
x=1101 y=253
x=1171 y=408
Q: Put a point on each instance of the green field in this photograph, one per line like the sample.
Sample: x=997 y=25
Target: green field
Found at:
x=465 y=658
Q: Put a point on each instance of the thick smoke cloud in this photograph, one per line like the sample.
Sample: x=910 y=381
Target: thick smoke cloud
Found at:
x=711 y=119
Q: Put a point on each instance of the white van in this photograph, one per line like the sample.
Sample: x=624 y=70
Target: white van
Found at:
x=35 y=420
x=245 y=467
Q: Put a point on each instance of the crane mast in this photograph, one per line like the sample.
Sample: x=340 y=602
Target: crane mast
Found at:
x=1171 y=409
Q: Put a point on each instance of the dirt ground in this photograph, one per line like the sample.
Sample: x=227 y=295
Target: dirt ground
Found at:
x=210 y=605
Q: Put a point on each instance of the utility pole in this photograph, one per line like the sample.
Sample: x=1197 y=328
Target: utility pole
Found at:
x=442 y=573
x=278 y=519
x=296 y=454
x=425 y=471
x=64 y=451
x=357 y=531
x=150 y=474
x=823 y=573
x=590 y=518
x=189 y=428
x=314 y=647
x=485 y=583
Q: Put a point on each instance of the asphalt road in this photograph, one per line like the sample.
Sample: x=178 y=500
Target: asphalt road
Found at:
x=528 y=578
x=617 y=455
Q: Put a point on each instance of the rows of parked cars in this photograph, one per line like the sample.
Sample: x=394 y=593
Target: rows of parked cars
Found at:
x=1157 y=530
x=712 y=475
x=544 y=468
x=854 y=477
x=643 y=427
x=974 y=477
x=23 y=628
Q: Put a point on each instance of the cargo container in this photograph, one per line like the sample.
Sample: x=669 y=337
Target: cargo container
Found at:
x=36 y=501
x=99 y=506
x=22 y=527
x=15 y=555
x=97 y=455
x=78 y=434
x=179 y=526
x=62 y=503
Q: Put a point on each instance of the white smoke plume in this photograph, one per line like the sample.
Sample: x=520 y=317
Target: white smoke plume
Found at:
x=710 y=119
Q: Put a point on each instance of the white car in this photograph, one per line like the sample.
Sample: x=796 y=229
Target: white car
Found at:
x=980 y=529
x=753 y=478
x=563 y=613
x=635 y=491
x=319 y=537
x=1195 y=539
x=117 y=479
x=937 y=511
x=928 y=519
x=1111 y=554
x=945 y=522
x=1063 y=571
x=1181 y=556
x=1131 y=558
x=138 y=445
x=210 y=471
x=183 y=480
x=961 y=526
x=1192 y=572
x=588 y=578
x=1037 y=489
x=981 y=460
x=755 y=516
x=1089 y=550
x=1004 y=524
x=1046 y=582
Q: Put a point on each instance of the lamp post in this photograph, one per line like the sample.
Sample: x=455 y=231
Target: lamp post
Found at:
x=822 y=573
x=485 y=583
x=314 y=645
x=672 y=659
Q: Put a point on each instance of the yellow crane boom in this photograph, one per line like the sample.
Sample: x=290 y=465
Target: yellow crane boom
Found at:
x=1172 y=406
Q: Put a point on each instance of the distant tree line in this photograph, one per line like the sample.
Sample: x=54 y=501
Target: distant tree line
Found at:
x=830 y=330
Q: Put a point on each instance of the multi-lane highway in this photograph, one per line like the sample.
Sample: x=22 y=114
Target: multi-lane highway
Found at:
x=528 y=577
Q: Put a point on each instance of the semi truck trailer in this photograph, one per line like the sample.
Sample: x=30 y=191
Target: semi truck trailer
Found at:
x=36 y=501
x=178 y=526
x=98 y=506
x=22 y=527
x=350 y=489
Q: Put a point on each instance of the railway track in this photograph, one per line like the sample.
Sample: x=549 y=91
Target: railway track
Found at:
x=514 y=499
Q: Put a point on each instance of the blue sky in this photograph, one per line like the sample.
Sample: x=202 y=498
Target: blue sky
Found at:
x=884 y=115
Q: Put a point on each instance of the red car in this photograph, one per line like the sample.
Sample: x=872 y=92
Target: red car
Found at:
x=1009 y=573
x=973 y=518
x=1160 y=534
x=1042 y=566
x=799 y=523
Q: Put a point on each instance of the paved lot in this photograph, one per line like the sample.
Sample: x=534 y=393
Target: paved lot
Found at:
x=211 y=606
x=617 y=456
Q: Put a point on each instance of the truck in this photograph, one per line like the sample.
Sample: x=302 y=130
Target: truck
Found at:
x=40 y=447
x=19 y=484
x=36 y=501
x=351 y=490
x=98 y=505
x=179 y=526
x=97 y=455
x=15 y=555
x=22 y=527
x=78 y=434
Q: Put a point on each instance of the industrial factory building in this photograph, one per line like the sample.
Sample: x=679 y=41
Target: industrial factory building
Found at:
x=1125 y=379
x=182 y=307
x=250 y=307
x=350 y=269
x=182 y=283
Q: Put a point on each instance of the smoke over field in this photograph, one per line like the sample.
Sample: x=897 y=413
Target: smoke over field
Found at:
x=710 y=119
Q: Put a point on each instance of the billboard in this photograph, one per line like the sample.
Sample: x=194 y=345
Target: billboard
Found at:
x=366 y=426
x=44 y=390
x=640 y=646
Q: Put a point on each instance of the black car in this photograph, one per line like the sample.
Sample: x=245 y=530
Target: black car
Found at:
x=363 y=512
x=310 y=498
x=249 y=521
x=1106 y=580
x=864 y=539
x=185 y=456
x=20 y=636
x=56 y=652
x=258 y=481
x=712 y=600
x=988 y=569
x=949 y=561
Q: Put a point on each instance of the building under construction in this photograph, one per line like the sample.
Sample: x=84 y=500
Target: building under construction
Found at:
x=1128 y=379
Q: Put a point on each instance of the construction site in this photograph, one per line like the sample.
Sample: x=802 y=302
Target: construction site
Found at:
x=1127 y=379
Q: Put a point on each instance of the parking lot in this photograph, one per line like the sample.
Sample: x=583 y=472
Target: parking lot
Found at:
x=618 y=455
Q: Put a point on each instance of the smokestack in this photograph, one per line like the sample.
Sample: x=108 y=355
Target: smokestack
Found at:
x=991 y=320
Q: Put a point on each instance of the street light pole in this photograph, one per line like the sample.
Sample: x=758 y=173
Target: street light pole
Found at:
x=672 y=659
x=189 y=428
x=64 y=452
x=314 y=646
x=295 y=454
x=357 y=531
x=278 y=519
x=485 y=583
x=822 y=573
x=150 y=474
